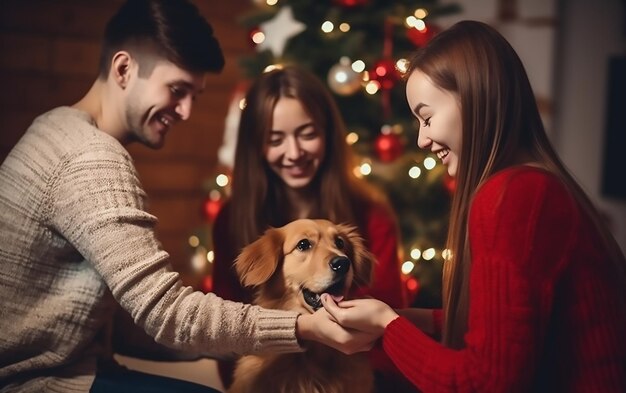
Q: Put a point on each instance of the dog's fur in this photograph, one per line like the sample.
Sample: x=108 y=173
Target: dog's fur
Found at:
x=286 y=266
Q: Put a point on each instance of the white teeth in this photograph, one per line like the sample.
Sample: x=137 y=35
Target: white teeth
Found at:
x=442 y=154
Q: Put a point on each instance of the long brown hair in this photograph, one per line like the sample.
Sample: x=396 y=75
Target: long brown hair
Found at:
x=500 y=119
x=258 y=198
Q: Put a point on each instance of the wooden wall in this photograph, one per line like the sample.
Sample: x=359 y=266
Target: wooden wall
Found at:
x=50 y=52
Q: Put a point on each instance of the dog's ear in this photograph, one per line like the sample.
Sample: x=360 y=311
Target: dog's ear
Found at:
x=258 y=261
x=362 y=259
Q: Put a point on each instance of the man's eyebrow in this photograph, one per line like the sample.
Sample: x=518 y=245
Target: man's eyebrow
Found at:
x=418 y=107
x=187 y=85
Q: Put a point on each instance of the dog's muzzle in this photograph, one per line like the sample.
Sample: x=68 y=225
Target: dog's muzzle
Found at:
x=340 y=265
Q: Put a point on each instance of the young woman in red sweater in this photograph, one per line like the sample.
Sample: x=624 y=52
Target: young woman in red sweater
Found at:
x=534 y=292
x=292 y=161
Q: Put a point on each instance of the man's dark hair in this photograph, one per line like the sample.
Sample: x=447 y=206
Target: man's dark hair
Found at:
x=172 y=29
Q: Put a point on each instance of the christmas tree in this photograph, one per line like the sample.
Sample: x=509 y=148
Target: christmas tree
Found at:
x=360 y=47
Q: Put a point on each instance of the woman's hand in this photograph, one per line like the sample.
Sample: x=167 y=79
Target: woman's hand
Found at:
x=365 y=315
x=321 y=327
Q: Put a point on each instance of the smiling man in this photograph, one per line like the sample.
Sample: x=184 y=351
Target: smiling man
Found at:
x=76 y=241
x=148 y=80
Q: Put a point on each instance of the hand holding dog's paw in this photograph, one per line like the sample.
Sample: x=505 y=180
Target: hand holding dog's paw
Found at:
x=364 y=315
x=321 y=327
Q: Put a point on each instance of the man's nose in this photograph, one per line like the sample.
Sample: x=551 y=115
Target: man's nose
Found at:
x=183 y=109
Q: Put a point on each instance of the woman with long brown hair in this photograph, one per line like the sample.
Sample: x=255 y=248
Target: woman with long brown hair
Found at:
x=292 y=161
x=534 y=295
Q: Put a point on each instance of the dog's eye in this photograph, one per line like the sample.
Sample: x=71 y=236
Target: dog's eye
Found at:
x=339 y=243
x=303 y=245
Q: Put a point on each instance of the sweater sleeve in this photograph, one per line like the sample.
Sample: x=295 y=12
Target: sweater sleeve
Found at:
x=98 y=205
x=520 y=229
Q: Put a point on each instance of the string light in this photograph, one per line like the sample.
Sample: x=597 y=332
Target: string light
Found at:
x=258 y=37
x=221 y=180
x=402 y=65
x=365 y=168
x=358 y=66
x=210 y=256
x=193 y=241
x=215 y=195
x=273 y=67
x=429 y=254
x=352 y=138
x=344 y=27
x=420 y=13
x=372 y=87
x=429 y=163
x=327 y=26
x=420 y=25
x=198 y=260
x=407 y=267
x=410 y=21
x=416 y=253
x=415 y=172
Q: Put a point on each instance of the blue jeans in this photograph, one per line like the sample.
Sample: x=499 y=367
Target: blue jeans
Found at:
x=127 y=381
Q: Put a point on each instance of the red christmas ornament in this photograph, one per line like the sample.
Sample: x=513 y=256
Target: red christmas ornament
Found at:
x=210 y=208
x=412 y=288
x=449 y=183
x=350 y=3
x=385 y=73
x=421 y=37
x=388 y=147
x=207 y=284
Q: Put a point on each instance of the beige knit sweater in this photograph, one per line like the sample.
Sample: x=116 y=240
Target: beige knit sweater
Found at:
x=74 y=239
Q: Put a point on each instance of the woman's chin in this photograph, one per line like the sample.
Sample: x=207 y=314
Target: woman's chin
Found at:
x=297 y=183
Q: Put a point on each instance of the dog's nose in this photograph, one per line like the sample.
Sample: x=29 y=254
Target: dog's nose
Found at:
x=340 y=265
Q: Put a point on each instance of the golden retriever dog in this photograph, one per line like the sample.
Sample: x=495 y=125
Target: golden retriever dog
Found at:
x=289 y=268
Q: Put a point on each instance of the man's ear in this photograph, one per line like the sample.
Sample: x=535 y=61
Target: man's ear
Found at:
x=121 y=68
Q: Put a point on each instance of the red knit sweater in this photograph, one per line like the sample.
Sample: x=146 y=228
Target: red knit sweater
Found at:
x=545 y=313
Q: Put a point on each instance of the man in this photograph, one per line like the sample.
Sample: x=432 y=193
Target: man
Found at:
x=76 y=241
